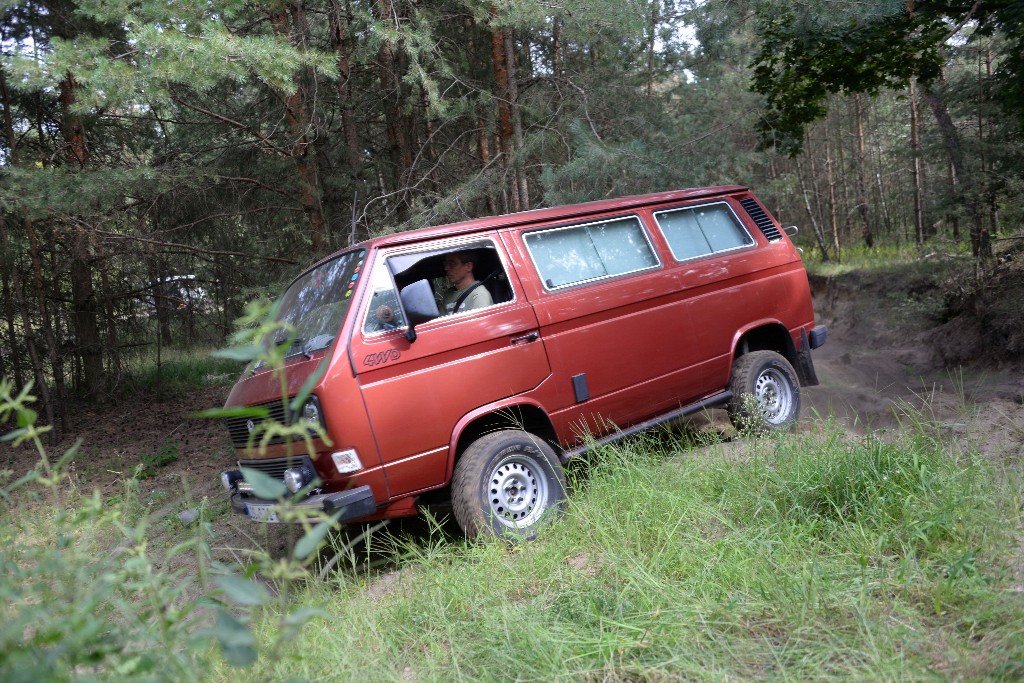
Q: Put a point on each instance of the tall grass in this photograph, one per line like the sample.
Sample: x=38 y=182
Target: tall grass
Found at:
x=810 y=557
x=179 y=371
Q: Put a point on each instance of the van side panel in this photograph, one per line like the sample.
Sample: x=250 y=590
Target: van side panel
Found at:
x=628 y=331
x=415 y=393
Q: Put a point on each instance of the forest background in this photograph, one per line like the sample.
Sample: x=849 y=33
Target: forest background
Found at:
x=163 y=163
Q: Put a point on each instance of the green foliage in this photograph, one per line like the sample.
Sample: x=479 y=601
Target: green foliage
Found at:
x=812 y=556
x=83 y=591
x=806 y=56
x=82 y=595
x=150 y=462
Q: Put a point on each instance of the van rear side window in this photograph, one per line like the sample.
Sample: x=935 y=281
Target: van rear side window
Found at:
x=702 y=230
x=593 y=251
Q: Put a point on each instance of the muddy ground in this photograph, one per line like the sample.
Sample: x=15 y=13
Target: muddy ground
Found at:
x=898 y=338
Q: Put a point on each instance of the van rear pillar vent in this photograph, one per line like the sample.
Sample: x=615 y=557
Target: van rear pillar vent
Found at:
x=764 y=222
x=579 y=385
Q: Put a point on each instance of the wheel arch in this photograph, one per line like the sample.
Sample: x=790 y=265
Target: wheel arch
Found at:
x=765 y=335
x=527 y=416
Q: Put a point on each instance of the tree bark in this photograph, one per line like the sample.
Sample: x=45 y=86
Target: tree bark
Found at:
x=822 y=244
x=501 y=82
x=6 y=279
x=915 y=150
x=399 y=144
x=297 y=115
x=832 y=208
x=862 y=182
x=341 y=36
x=517 y=122
x=981 y=243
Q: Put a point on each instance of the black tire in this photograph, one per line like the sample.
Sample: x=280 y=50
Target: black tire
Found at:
x=507 y=483
x=772 y=381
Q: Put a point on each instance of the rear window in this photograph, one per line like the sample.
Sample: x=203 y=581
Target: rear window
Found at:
x=594 y=251
x=698 y=231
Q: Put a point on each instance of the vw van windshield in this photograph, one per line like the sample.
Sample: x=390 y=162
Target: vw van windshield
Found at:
x=316 y=303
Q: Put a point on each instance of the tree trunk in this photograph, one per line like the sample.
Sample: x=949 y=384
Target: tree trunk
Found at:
x=58 y=405
x=341 y=37
x=822 y=244
x=517 y=122
x=652 y=33
x=862 y=181
x=298 y=119
x=113 y=342
x=832 y=208
x=399 y=144
x=915 y=150
x=981 y=244
x=501 y=82
x=6 y=279
x=83 y=297
x=86 y=313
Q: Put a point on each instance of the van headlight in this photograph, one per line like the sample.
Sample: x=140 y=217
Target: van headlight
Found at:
x=295 y=478
x=311 y=412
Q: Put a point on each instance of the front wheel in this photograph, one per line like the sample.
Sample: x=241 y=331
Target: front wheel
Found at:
x=771 y=380
x=506 y=484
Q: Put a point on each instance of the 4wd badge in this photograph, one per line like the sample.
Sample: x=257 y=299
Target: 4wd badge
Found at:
x=374 y=359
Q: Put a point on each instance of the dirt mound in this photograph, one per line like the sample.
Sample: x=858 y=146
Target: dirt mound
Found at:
x=895 y=340
x=984 y=315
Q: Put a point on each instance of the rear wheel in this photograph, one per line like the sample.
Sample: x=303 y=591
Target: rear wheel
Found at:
x=772 y=381
x=507 y=483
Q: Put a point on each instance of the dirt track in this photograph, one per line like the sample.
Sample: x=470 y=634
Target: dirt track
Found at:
x=885 y=352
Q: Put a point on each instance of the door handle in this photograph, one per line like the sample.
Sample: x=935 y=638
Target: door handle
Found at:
x=526 y=338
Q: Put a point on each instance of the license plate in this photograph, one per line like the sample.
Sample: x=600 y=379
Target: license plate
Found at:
x=261 y=513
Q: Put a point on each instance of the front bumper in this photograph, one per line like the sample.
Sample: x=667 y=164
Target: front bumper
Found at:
x=342 y=505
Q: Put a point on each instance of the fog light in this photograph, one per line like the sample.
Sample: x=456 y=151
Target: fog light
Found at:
x=297 y=477
x=230 y=479
x=346 y=461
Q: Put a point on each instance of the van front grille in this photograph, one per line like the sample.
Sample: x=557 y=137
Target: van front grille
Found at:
x=275 y=467
x=763 y=220
x=238 y=427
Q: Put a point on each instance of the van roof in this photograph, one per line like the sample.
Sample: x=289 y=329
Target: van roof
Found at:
x=552 y=213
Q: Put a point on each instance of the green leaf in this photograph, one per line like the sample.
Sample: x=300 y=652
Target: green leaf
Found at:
x=237 y=643
x=240 y=353
x=238 y=411
x=242 y=591
x=312 y=540
x=307 y=386
x=14 y=434
x=263 y=485
x=27 y=417
x=301 y=616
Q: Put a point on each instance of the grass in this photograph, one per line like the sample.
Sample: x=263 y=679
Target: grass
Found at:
x=810 y=557
x=181 y=370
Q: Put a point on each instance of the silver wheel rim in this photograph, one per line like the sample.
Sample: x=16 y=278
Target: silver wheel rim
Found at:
x=774 y=395
x=517 y=491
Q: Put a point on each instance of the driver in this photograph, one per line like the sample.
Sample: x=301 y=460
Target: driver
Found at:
x=466 y=293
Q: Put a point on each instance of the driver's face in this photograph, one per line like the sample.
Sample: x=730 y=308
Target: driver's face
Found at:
x=456 y=270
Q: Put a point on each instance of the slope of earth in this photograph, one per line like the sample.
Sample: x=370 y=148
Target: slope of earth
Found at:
x=898 y=338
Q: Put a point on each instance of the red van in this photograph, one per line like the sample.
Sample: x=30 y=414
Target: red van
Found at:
x=472 y=360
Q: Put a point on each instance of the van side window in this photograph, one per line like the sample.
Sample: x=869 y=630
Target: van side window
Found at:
x=483 y=284
x=594 y=251
x=701 y=230
x=384 y=312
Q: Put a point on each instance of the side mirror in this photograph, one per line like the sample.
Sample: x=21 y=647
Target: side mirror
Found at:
x=419 y=304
